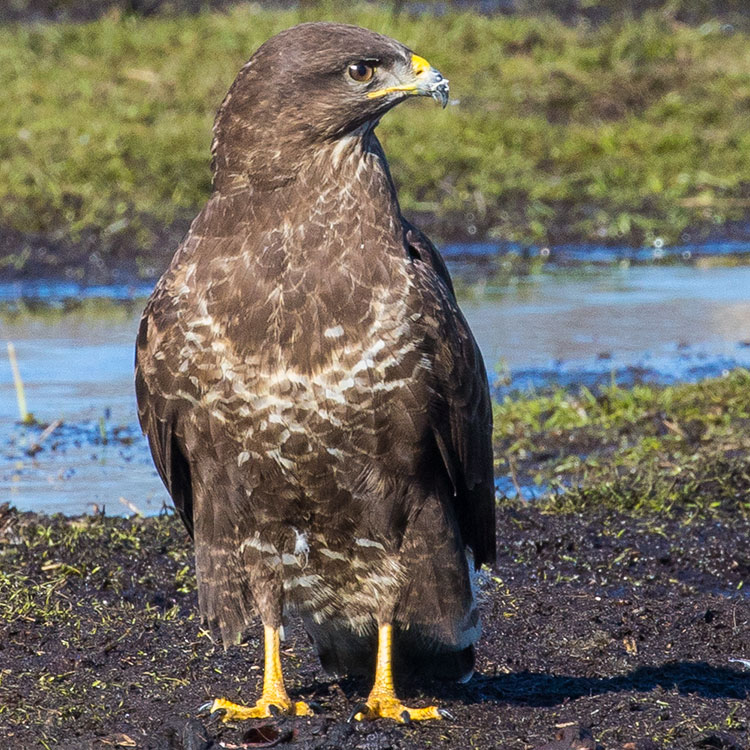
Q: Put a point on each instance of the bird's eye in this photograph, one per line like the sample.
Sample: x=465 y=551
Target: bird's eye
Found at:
x=361 y=71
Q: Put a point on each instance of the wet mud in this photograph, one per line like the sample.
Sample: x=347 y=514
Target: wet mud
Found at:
x=600 y=631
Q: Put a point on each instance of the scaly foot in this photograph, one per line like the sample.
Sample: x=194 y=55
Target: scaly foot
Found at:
x=382 y=702
x=390 y=707
x=265 y=708
x=274 y=701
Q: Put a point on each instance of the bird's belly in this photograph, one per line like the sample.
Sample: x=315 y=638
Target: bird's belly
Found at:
x=314 y=463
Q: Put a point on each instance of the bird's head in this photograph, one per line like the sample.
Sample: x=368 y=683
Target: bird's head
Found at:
x=318 y=82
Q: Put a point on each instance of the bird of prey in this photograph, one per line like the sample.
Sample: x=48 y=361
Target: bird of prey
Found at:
x=314 y=400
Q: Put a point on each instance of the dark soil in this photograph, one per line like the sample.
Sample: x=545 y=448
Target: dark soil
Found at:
x=94 y=259
x=600 y=631
x=91 y=259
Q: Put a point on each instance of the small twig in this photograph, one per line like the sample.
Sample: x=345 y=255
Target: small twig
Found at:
x=26 y=418
x=514 y=479
x=36 y=446
x=283 y=737
x=674 y=427
x=131 y=506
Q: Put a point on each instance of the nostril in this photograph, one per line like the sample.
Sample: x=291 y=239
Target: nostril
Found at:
x=419 y=65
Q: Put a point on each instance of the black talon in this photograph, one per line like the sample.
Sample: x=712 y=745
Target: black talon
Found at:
x=360 y=708
x=446 y=714
x=406 y=717
x=274 y=711
x=205 y=710
x=316 y=707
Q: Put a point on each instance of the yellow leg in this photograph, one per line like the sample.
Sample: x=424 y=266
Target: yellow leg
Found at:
x=382 y=702
x=274 y=694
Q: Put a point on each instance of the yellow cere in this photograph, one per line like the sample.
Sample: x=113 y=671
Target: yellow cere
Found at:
x=419 y=65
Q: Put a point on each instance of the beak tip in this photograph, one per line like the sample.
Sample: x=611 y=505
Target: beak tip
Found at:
x=440 y=92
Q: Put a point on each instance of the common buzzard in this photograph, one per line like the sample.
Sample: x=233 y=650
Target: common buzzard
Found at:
x=312 y=395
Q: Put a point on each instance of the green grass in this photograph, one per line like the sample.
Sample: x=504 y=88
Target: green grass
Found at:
x=626 y=132
x=647 y=449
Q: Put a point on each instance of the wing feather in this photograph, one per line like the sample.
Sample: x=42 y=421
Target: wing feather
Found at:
x=461 y=417
x=159 y=420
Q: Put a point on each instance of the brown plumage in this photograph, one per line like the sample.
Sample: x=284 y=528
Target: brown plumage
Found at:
x=313 y=397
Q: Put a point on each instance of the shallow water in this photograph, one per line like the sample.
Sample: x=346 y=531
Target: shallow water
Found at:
x=655 y=323
x=580 y=326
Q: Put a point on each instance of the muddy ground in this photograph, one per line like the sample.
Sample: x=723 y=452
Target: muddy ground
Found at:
x=600 y=631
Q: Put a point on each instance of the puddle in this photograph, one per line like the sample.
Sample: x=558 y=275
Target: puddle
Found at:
x=75 y=351
x=647 y=323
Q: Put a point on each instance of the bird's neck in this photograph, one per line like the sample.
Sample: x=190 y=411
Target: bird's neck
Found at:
x=350 y=177
x=338 y=199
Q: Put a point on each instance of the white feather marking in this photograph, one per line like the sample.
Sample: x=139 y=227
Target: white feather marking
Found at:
x=333 y=555
x=333 y=333
x=306 y=581
x=381 y=580
x=341 y=147
x=256 y=543
x=332 y=395
x=188 y=397
x=275 y=454
x=362 y=542
x=301 y=547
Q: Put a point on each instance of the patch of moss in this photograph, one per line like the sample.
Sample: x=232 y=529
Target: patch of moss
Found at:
x=646 y=449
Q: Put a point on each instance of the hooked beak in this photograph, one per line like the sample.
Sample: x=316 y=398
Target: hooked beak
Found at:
x=423 y=80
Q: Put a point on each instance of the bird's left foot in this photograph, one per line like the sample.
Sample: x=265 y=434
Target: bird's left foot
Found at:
x=265 y=708
x=390 y=707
